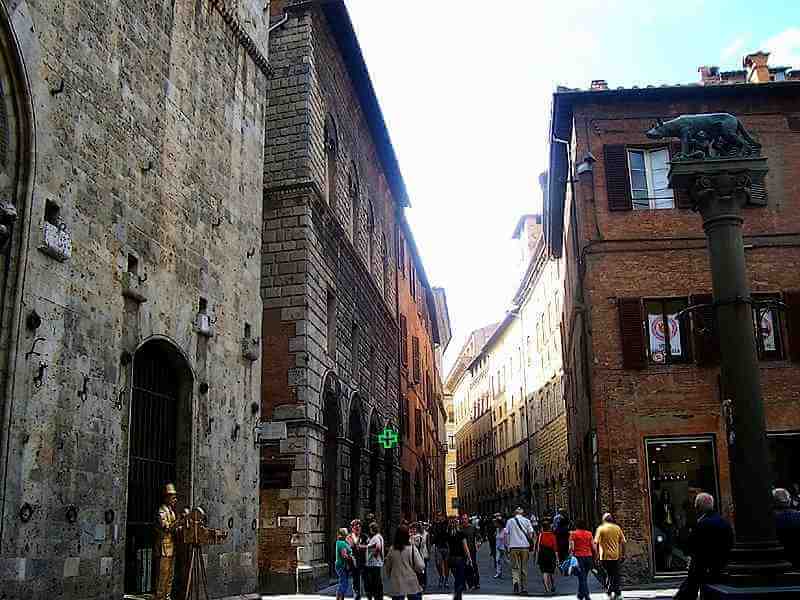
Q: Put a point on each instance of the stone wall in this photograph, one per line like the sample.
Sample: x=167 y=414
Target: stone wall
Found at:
x=329 y=312
x=149 y=134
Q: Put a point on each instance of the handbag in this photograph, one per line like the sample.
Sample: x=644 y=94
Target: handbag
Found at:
x=570 y=566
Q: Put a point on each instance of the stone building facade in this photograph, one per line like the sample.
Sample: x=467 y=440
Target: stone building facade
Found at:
x=459 y=385
x=131 y=154
x=333 y=216
x=642 y=386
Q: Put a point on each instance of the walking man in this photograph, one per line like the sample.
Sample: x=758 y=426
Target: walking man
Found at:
x=710 y=543
x=610 y=542
x=439 y=538
x=520 y=536
x=358 y=544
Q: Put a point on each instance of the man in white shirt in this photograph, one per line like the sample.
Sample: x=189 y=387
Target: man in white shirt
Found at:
x=520 y=536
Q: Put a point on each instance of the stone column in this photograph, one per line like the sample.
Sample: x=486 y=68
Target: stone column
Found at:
x=720 y=188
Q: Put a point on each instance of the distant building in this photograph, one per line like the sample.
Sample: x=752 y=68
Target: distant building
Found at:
x=642 y=385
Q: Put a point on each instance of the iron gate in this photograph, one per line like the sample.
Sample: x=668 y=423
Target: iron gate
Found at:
x=153 y=458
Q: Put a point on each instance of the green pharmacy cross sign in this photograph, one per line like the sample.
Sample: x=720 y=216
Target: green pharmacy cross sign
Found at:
x=388 y=438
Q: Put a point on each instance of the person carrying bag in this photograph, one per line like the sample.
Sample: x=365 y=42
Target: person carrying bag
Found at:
x=520 y=540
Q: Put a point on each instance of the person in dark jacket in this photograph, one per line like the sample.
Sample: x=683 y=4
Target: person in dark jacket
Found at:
x=710 y=543
x=471 y=534
x=787 y=525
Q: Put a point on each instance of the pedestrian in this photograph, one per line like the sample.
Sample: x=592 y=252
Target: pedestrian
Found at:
x=500 y=546
x=796 y=496
x=459 y=556
x=490 y=536
x=419 y=541
x=710 y=544
x=545 y=552
x=581 y=546
x=787 y=525
x=375 y=558
x=344 y=559
x=520 y=536
x=473 y=543
x=426 y=549
x=439 y=536
x=561 y=527
x=610 y=542
x=403 y=565
x=358 y=544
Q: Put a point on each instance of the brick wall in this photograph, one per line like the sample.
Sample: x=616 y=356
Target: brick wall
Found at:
x=661 y=253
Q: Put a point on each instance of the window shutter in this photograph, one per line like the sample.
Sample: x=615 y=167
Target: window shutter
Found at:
x=618 y=187
x=403 y=341
x=705 y=332
x=792 y=300
x=758 y=191
x=682 y=198
x=630 y=323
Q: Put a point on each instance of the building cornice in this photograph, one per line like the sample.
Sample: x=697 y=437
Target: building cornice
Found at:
x=228 y=15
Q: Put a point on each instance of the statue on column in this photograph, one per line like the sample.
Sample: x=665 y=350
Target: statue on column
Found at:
x=166 y=526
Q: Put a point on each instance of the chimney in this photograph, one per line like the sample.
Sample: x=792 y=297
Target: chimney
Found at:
x=757 y=67
x=598 y=84
x=709 y=75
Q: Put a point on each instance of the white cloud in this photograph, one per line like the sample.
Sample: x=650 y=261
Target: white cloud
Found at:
x=734 y=50
x=784 y=48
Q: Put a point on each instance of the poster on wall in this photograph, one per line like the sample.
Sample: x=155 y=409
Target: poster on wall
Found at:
x=658 y=339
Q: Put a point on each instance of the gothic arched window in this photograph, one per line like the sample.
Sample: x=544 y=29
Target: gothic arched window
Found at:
x=331 y=167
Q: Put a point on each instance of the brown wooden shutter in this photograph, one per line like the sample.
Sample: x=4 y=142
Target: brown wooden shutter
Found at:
x=704 y=331
x=792 y=300
x=758 y=191
x=630 y=324
x=682 y=198
x=403 y=341
x=618 y=186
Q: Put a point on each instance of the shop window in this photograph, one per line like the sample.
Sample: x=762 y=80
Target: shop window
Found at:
x=679 y=469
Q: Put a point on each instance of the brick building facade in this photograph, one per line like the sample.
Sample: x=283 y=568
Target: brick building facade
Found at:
x=131 y=158
x=642 y=387
x=335 y=284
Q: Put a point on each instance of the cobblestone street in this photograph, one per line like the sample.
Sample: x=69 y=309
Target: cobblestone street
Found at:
x=566 y=587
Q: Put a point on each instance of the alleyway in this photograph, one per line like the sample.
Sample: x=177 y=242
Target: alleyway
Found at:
x=566 y=587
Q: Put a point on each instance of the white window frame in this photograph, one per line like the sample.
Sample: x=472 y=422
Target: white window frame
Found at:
x=652 y=199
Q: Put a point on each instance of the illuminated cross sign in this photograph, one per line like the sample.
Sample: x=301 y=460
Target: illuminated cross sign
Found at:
x=388 y=438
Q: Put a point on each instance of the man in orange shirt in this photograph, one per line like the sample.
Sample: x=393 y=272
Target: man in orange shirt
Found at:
x=610 y=542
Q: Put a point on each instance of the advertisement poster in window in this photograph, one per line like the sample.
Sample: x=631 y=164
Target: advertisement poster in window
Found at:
x=658 y=341
x=768 y=331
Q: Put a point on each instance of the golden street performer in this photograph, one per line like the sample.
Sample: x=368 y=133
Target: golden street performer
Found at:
x=166 y=525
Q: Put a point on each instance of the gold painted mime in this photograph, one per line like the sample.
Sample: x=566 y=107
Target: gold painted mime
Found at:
x=166 y=526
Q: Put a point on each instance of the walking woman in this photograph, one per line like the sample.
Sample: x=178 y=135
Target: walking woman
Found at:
x=375 y=556
x=581 y=546
x=501 y=546
x=344 y=558
x=403 y=565
x=546 y=556
x=459 y=557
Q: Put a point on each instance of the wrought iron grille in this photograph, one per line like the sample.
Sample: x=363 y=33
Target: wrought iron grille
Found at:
x=153 y=458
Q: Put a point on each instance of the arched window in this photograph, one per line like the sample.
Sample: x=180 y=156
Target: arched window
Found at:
x=385 y=275
x=355 y=203
x=331 y=167
x=371 y=237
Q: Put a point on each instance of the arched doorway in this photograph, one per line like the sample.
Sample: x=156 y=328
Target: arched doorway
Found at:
x=330 y=470
x=159 y=450
x=356 y=435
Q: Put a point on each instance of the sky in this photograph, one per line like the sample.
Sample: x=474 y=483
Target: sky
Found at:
x=465 y=89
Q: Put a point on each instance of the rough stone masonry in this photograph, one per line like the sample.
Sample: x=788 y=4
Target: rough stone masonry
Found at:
x=132 y=152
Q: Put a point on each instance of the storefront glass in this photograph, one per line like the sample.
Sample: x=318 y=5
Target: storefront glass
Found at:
x=680 y=468
x=784 y=451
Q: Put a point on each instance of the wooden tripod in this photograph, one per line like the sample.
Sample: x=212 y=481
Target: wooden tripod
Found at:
x=196 y=579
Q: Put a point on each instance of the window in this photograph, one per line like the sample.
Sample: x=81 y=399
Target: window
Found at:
x=371 y=237
x=355 y=339
x=451 y=441
x=647 y=170
x=403 y=341
x=331 y=144
x=418 y=426
x=331 y=325
x=355 y=206
x=401 y=255
x=668 y=340
x=767 y=330
x=451 y=417
x=451 y=475
x=372 y=374
x=415 y=358
x=404 y=415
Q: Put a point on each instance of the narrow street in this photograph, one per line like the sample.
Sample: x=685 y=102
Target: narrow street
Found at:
x=566 y=587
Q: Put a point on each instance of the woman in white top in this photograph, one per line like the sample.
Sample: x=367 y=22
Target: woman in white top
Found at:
x=403 y=564
x=501 y=544
x=375 y=554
